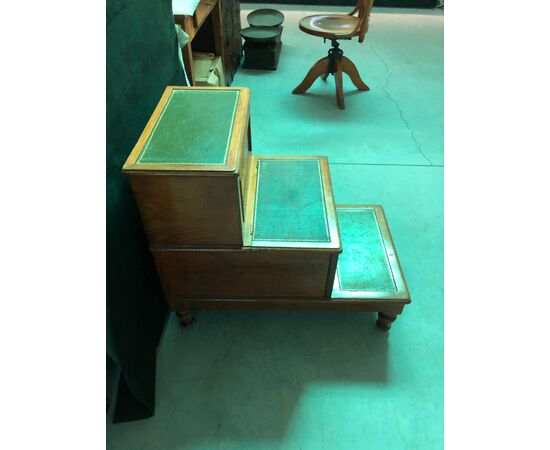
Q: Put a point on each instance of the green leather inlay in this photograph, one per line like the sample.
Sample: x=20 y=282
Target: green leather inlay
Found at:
x=290 y=205
x=193 y=128
x=363 y=264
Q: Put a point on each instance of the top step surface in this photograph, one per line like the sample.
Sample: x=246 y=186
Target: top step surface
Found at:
x=189 y=168
x=193 y=129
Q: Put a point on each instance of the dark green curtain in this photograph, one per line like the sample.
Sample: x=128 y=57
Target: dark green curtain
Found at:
x=142 y=59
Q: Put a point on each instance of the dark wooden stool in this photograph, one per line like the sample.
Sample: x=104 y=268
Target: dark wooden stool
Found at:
x=262 y=47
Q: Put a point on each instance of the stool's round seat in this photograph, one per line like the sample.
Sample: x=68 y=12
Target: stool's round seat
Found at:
x=329 y=25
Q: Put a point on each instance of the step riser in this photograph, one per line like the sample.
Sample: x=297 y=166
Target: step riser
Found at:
x=183 y=210
x=246 y=273
x=192 y=209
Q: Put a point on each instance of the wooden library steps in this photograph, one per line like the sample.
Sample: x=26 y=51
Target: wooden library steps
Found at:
x=229 y=229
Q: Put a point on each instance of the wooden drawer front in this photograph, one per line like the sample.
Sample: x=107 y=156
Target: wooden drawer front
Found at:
x=246 y=273
x=189 y=210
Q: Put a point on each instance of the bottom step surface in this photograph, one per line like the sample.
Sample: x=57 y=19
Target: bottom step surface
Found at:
x=368 y=275
x=368 y=267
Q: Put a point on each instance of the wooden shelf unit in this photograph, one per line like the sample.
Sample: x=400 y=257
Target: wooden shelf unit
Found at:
x=213 y=28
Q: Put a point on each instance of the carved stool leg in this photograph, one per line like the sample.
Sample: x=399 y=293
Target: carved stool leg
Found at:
x=349 y=68
x=385 y=321
x=318 y=69
x=186 y=317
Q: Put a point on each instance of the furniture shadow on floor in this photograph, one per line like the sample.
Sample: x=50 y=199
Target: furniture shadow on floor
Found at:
x=240 y=376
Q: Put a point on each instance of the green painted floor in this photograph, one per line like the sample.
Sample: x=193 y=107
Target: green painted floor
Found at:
x=296 y=380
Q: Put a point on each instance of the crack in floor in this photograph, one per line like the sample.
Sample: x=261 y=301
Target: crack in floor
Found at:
x=396 y=103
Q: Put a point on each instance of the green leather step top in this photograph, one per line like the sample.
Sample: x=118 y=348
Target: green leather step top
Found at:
x=290 y=203
x=193 y=128
x=363 y=264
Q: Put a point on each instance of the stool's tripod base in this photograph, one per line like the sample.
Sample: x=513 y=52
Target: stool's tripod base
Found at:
x=335 y=63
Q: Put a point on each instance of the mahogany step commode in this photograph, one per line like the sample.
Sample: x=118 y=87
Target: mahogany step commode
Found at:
x=229 y=229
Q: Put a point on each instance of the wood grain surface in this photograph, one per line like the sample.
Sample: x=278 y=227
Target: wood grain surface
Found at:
x=243 y=273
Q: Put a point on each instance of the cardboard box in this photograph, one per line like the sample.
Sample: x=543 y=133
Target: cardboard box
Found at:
x=208 y=70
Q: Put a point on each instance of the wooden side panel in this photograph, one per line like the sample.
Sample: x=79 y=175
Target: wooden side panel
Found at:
x=331 y=275
x=244 y=168
x=245 y=273
x=231 y=37
x=189 y=210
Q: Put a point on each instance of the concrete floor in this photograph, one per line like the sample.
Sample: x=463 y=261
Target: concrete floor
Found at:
x=296 y=380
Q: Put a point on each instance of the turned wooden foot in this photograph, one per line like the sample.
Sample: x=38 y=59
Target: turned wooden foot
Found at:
x=384 y=321
x=186 y=318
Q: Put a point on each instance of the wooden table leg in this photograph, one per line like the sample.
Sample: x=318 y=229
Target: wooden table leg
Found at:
x=186 y=317
x=385 y=321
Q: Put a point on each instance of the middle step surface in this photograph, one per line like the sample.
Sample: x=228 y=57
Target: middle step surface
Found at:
x=291 y=240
